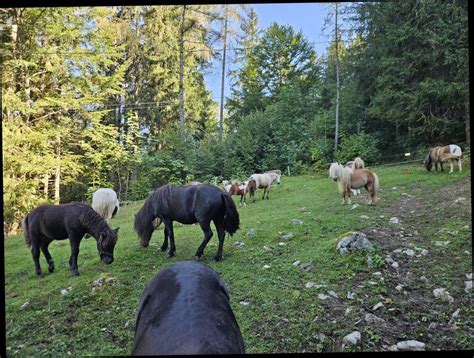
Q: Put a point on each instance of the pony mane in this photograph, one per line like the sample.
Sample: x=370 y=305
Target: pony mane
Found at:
x=96 y=223
x=149 y=211
x=358 y=163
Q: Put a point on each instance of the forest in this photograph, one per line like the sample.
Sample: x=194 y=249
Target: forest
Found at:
x=116 y=97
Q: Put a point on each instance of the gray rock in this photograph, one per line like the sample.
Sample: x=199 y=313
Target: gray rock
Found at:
x=244 y=303
x=411 y=345
x=354 y=206
x=296 y=222
x=287 y=236
x=371 y=318
x=250 y=233
x=322 y=296
x=442 y=243
x=395 y=264
x=409 y=252
x=239 y=244
x=377 y=306
x=443 y=294
x=468 y=286
x=352 y=338
x=296 y=263
x=307 y=267
x=309 y=284
x=356 y=241
x=333 y=294
x=24 y=306
x=364 y=217
x=394 y=220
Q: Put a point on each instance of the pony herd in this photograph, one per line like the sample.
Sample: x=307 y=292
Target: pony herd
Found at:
x=210 y=326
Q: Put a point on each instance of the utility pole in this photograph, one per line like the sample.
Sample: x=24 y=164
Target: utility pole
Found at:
x=181 y=69
x=221 y=113
x=336 y=135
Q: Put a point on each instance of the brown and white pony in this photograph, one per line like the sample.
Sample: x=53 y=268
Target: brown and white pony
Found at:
x=439 y=155
x=251 y=188
x=357 y=163
x=237 y=188
x=348 y=179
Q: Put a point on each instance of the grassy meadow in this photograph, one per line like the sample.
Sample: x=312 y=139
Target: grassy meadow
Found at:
x=274 y=308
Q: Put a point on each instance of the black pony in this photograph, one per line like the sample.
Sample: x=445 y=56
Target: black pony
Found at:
x=46 y=223
x=185 y=310
x=187 y=204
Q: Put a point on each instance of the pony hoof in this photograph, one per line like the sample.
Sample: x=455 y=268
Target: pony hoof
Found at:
x=51 y=269
x=163 y=248
x=40 y=274
x=75 y=273
x=217 y=258
x=170 y=255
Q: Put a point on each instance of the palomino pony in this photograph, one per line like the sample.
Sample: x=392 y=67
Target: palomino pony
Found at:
x=188 y=204
x=46 y=223
x=264 y=181
x=357 y=163
x=348 y=179
x=185 y=310
x=105 y=203
x=439 y=155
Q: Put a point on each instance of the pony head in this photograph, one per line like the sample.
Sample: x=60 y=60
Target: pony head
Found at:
x=428 y=162
x=334 y=171
x=278 y=178
x=105 y=245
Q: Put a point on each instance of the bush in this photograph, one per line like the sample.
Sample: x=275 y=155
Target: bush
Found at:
x=358 y=145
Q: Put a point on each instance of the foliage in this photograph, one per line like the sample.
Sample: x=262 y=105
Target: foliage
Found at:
x=358 y=145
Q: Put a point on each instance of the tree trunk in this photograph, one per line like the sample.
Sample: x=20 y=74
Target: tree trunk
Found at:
x=468 y=126
x=181 y=68
x=46 y=186
x=223 y=71
x=57 y=179
x=336 y=135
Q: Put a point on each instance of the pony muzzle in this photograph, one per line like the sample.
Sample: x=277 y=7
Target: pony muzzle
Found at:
x=107 y=258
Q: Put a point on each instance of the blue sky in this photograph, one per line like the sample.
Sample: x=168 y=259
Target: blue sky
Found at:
x=307 y=17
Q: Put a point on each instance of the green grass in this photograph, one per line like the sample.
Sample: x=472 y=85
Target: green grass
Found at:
x=281 y=315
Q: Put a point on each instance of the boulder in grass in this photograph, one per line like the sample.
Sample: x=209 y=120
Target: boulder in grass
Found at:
x=356 y=241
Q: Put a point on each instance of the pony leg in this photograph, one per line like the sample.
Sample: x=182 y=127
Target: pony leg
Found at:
x=264 y=191
x=169 y=225
x=47 y=255
x=206 y=228
x=459 y=164
x=451 y=166
x=165 y=241
x=35 y=252
x=74 y=253
x=221 y=234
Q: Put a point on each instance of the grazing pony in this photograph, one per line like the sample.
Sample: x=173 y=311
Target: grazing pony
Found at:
x=105 y=203
x=264 y=181
x=276 y=171
x=251 y=188
x=348 y=179
x=46 y=223
x=187 y=204
x=238 y=189
x=439 y=155
x=185 y=310
x=357 y=163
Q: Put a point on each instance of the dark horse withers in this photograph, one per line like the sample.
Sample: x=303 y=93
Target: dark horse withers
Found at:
x=187 y=204
x=185 y=309
x=58 y=222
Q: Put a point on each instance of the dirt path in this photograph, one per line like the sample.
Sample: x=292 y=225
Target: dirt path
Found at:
x=396 y=301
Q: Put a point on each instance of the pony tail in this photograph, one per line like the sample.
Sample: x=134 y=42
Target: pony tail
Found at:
x=231 y=216
x=376 y=185
x=26 y=234
x=428 y=161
